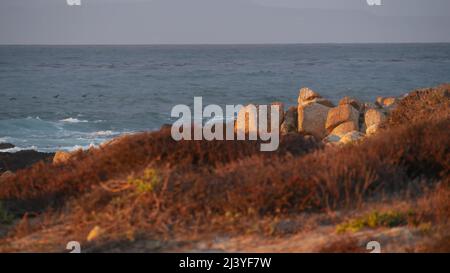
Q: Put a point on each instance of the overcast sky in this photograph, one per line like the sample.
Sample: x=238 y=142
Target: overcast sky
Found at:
x=222 y=21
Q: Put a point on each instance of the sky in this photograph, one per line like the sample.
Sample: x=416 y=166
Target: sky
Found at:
x=222 y=21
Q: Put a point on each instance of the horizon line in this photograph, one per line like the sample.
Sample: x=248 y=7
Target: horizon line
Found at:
x=214 y=44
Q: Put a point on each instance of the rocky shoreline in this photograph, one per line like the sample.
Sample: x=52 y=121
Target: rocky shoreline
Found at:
x=318 y=190
x=349 y=121
x=10 y=162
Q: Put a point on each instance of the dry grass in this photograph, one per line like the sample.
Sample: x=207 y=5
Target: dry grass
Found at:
x=149 y=186
x=422 y=105
x=45 y=184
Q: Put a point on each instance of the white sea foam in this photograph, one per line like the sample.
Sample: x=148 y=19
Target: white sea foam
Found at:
x=17 y=149
x=73 y=120
x=33 y=133
x=78 y=147
x=104 y=133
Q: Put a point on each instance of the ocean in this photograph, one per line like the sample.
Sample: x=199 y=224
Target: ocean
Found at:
x=66 y=97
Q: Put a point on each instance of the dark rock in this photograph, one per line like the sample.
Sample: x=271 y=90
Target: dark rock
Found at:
x=4 y=146
x=290 y=121
x=22 y=159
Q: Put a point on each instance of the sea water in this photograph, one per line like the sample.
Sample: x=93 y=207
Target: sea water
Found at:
x=66 y=97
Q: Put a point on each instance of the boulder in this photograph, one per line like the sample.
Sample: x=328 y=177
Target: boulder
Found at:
x=372 y=129
x=290 y=121
x=61 y=157
x=353 y=102
x=322 y=101
x=345 y=128
x=306 y=94
x=373 y=117
x=339 y=115
x=22 y=159
x=312 y=118
x=351 y=137
x=4 y=146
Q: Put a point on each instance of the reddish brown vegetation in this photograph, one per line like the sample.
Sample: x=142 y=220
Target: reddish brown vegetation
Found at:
x=422 y=105
x=227 y=186
x=46 y=184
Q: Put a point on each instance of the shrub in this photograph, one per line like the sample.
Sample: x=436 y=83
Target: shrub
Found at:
x=149 y=180
x=422 y=105
x=153 y=186
x=45 y=184
x=375 y=220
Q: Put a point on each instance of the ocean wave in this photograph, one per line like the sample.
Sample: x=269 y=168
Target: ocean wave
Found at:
x=36 y=118
x=104 y=133
x=18 y=149
x=73 y=120
x=49 y=136
x=79 y=147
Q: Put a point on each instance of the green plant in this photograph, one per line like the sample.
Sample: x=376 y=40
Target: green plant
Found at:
x=147 y=183
x=375 y=220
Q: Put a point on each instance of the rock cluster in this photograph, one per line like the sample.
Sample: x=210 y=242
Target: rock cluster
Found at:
x=347 y=122
x=316 y=116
